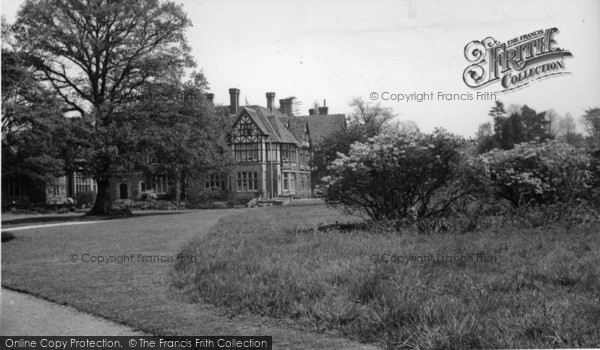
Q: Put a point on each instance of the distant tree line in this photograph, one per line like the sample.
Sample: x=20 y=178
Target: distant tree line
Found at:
x=524 y=124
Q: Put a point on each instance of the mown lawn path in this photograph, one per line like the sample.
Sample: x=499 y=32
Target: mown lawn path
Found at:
x=135 y=292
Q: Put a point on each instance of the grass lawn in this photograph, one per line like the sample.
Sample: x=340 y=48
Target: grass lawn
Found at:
x=498 y=288
x=135 y=293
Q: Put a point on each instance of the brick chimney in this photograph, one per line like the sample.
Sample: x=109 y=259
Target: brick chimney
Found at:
x=289 y=106
x=324 y=110
x=234 y=100
x=283 y=105
x=270 y=100
x=211 y=98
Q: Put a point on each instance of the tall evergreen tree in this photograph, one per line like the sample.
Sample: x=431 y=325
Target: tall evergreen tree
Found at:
x=535 y=125
x=523 y=125
x=497 y=113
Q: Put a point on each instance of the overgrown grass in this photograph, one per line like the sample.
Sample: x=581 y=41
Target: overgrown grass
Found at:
x=514 y=288
x=136 y=293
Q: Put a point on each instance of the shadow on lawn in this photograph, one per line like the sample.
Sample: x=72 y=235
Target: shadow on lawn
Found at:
x=7 y=236
x=46 y=219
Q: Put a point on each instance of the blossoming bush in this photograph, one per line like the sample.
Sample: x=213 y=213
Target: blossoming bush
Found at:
x=595 y=170
x=149 y=195
x=396 y=175
x=532 y=174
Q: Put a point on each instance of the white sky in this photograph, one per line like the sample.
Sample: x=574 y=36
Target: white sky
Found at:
x=339 y=49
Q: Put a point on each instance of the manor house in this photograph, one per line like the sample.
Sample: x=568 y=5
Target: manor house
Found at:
x=271 y=147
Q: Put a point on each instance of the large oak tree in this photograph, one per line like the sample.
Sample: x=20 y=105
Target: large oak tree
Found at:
x=100 y=57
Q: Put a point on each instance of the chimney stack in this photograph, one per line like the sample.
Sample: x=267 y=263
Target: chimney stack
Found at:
x=289 y=107
x=282 y=104
x=285 y=106
x=234 y=100
x=211 y=98
x=311 y=111
x=270 y=100
x=324 y=110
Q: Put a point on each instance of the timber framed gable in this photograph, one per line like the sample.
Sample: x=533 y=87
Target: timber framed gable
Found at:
x=246 y=130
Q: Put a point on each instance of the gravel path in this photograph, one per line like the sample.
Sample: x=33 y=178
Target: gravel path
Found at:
x=26 y=315
x=19 y=228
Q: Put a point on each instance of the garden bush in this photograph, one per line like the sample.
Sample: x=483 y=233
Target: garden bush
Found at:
x=87 y=198
x=397 y=175
x=595 y=169
x=532 y=174
x=213 y=193
x=149 y=195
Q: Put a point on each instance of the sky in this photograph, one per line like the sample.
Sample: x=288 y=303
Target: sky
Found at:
x=337 y=50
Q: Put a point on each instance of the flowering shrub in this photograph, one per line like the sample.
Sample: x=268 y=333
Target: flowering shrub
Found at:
x=212 y=193
x=396 y=175
x=149 y=195
x=533 y=173
x=595 y=170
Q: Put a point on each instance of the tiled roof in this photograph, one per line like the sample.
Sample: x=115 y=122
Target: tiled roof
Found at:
x=269 y=120
x=259 y=121
x=282 y=128
x=285 y=135
x=320 y=126
x=297 y=128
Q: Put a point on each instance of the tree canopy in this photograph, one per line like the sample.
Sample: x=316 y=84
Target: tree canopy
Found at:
x=591 y=121
x=364 y=121
x=31 y=119
x=523 y=124
x=118 y=67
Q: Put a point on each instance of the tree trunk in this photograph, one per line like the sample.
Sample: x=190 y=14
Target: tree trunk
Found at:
x=103 y=198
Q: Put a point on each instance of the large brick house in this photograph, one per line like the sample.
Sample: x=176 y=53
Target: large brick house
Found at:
x=20 y=191
x=271 y=149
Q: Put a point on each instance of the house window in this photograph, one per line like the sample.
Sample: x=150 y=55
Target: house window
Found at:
x=160 y=184
x=247 y=181
x=246 y=127
x=84 y=184
x=289 y=181
x=12 y=186
x=288 y=153
x=247 y=152
x=56 y=190
x=217 y=181
x=272 y=152
x=303 y=156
